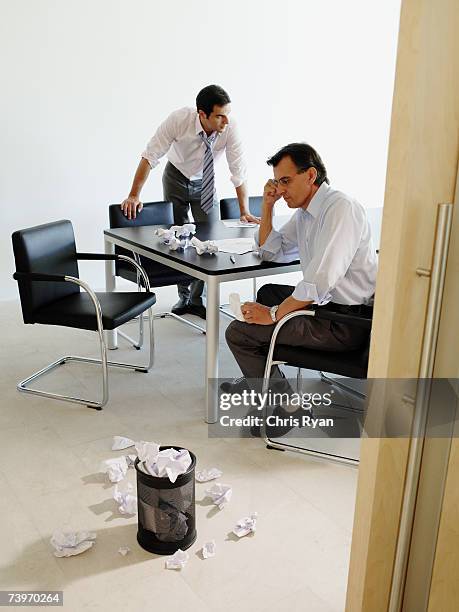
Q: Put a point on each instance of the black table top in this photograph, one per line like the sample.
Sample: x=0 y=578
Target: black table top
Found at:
x=220 y=263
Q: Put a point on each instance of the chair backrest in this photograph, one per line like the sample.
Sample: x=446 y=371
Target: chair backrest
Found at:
x=46 y=249
x=153 y=213
x=229 y=207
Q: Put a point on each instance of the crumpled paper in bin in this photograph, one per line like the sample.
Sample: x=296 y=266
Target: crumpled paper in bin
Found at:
x=168 y=462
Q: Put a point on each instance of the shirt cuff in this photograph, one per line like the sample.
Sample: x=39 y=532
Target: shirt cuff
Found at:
x=307 y=292
x=151 y=159
x=237 y=180
x=272 y=245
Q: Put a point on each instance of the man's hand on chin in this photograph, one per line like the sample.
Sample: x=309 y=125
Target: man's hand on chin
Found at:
x=256 y=313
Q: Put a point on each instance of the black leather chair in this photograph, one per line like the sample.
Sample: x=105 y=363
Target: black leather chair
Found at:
x=159 y=275
x=350 y=364
x=229 y=209
x=50 y=292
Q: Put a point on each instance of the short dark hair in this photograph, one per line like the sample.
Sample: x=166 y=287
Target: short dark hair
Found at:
x=304 y=157
x=210 y=96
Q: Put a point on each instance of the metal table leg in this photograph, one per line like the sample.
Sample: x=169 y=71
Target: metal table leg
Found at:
x=212 y=340
x=110 y=285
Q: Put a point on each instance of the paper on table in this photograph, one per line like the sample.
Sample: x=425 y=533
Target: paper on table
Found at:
x=238 y=246
x=208 y=246
x=120 y=443
x=238 y=223
x=208 y=474
x=124 y=550
x=184 y=230
x=178 y=560
x=246 y=525
x=176 y=243
x=235 y=306
x=209 y=549
x=115 y=469
x=220 y=494
x=123 y=496
x=70 y=543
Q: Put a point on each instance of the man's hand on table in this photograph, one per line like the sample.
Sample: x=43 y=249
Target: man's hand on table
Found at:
x=249 y=218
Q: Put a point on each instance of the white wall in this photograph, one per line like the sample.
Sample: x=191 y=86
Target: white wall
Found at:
x=85 y=83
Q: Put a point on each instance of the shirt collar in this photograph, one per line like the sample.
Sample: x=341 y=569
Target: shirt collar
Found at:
x=199 y=129
x=198 y=125
x=317 y=200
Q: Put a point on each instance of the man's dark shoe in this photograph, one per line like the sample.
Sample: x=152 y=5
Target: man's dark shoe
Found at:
x=281 y=422
x=238 y=385
x=197 y=309
x=181 y=307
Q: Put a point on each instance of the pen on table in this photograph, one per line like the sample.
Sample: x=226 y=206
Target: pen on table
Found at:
x=232 y=259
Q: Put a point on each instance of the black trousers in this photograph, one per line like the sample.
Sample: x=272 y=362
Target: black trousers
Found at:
x=185 y=194
x=249 y=342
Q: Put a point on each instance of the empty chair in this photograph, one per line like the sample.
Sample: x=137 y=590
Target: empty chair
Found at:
x=229 y=207
x=52 y=293
x=159 y=275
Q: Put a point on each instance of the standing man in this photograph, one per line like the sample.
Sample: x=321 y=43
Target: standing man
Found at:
x=330 y=235
x=193 y=139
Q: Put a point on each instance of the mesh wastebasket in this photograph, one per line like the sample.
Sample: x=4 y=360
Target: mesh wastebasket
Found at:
x=166 y=510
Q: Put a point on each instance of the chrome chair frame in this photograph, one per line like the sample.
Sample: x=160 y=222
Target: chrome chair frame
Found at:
x=273 y=444
x=137 y=344
x=97 y=405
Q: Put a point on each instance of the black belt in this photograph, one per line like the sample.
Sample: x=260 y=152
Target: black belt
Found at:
x=344 y=309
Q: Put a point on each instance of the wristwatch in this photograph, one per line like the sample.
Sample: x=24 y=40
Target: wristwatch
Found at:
x=272 y=312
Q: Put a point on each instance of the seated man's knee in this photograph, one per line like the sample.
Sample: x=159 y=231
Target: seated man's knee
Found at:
x=232 y=333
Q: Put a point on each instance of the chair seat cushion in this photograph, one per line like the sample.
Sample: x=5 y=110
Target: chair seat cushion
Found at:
x=159 y=275
x=353 y=364
x=78 y=311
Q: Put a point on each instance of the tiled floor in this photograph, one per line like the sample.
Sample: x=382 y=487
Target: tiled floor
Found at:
x=49 y=479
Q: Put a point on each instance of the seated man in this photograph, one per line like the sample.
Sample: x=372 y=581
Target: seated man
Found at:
x=330 y=234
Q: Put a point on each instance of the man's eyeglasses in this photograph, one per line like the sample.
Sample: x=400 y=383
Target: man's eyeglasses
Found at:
x=286 y=180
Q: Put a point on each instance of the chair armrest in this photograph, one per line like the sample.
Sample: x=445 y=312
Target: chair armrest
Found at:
x=60 y=278
x=320 y=314
x=36 y=276
x=98 y=256
x=117 y=257
x=277 y=328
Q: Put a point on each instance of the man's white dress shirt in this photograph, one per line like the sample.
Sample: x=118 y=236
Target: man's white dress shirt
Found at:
x=332 y=239
x=179 y=135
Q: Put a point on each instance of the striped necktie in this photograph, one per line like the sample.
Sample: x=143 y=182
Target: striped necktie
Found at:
x=207 y=189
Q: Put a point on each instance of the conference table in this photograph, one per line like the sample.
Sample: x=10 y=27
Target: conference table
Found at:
x=212 y=269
